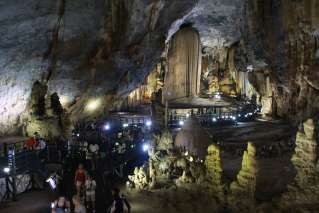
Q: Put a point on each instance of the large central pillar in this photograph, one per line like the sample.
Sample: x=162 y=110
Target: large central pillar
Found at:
x=184 y=65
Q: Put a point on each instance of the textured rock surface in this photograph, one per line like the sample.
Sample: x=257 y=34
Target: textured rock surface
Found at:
x=281 y=36
x=242 y=191
x=193 y=138
x=82 y=49
x=214 y=171
x=305 y=189
x=184 y=65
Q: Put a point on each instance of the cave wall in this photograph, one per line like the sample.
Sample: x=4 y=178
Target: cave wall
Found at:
x=84 y=50
x=282 y=36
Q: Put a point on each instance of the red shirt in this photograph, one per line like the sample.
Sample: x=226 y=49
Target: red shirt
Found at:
x=80 y=176
x=31 y=142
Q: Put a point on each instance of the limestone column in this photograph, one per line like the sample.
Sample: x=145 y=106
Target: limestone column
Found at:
x=184 y=65
x=242 y=191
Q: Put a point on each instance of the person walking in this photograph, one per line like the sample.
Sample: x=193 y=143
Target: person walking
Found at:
x=90 y=186
x=79 y=179
x=118 y=202
x=78 y=206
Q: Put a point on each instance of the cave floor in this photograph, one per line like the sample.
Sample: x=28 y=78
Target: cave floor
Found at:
x=29 y=202
x=255 y=131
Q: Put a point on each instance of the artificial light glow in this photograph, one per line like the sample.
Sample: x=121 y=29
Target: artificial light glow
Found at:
x=148 y=123
x=191 y=159
x=107 y=127
x=214 y=120
x=145 y=147
x=6 y=170
x=239 y=115
x=181 y=123
x=186 y=153
x=125 y=125
x=93 y=105
x=233 y=118
x=187 y=115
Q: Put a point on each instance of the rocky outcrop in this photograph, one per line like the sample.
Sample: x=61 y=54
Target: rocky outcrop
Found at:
x=45 y=115
x=184 y=65
x=85 y=49
x=214 y=172
x=305 y=188
x=242 y=191
x=281 y=37
x=193 y=138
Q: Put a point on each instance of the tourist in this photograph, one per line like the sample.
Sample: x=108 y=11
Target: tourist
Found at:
x=90 y=186
x=78 y=206
x=62 y=205
x=79 y=179
x=32 y=142
x=118 y=202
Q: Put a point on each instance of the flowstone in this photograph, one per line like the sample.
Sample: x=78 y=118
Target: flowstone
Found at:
x=139 y=179
x=214 y=172
x=305 y=188
x=242 y=191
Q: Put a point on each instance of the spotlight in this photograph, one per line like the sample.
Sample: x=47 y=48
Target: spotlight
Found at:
x=223 y=117
x=78 y=134
x=217 y=95
x=148 y=123
x=52 y=205
x=125 y=125
x=250 y=113
x=93 y=105
x=6 y=170
x=181 y=123
x=107 y=127
x=145 y=147
x=214 y=120
x=233 y=118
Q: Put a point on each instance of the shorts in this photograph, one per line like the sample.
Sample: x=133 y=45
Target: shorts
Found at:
x=79 y=184
x=90 y=197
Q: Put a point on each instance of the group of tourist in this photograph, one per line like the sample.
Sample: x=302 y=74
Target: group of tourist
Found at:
x=84 y=199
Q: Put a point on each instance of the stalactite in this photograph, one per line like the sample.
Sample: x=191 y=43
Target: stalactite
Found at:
x=184 y=62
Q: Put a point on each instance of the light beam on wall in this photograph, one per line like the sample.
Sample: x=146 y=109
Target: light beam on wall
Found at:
x=93 y=105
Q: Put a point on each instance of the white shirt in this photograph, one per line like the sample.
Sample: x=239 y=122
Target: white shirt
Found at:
x=90 y=186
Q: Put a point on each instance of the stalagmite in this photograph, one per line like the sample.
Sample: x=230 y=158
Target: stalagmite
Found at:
x=214 y=171
x=305 y=188
x=184 y=62
x=242 y=191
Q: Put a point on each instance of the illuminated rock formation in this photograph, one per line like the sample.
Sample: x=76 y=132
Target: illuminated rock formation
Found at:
x=305 y=188
x=193 y=138
x=139 y=179
x=184 y=62
x=214 y=171
x=46 y=114
x=242 y=191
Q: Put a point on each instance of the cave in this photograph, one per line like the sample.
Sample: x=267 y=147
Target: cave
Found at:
x=158 y=106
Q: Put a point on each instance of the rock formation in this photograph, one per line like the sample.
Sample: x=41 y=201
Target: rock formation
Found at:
x=281 y=40
x=241 y=196
x=46 y=114
x=184 y=61
x=305 y=188
x=193 y=138
x=139 y=179
x=214 y=171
